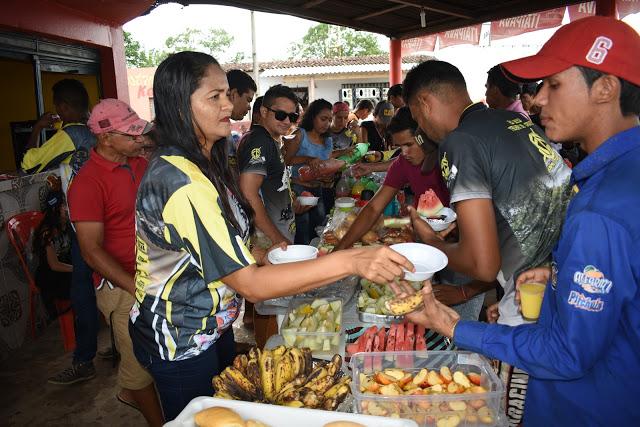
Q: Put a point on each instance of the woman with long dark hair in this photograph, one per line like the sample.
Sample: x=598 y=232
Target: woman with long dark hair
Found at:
x=310 y=145
x=192 y=222
x=52 y=246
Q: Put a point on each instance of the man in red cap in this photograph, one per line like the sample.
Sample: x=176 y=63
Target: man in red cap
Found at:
x=582 y=354
x=102 y=200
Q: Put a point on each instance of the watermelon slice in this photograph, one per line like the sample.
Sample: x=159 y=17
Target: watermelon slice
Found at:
x=391 y=339
x=378 y=345
x=352 y=348
x=368 y=347
x=400 y=338
x=410 y=337
x=421 y=343
x=429 y=204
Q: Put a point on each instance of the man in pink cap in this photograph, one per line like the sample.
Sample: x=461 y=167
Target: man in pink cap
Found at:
x=102 y=201
x=582 y=354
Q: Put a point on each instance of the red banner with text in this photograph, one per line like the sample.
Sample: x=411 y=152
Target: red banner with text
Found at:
x=517 y=25
x=466 y=35
x=582 y=10
x=418 y=44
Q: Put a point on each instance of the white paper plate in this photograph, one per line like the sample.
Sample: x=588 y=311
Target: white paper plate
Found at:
x=438 y=225
x=281 y=416
x=426 y=259
x=293 y=253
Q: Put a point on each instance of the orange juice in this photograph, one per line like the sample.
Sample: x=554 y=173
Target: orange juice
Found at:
x=531 y=295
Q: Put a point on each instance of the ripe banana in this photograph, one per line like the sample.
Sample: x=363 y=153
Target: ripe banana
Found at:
x=334 y=366
x=233 y=376
x=266 y=374
x=240 y=363
x=400 y=306
x=283 y=372
x=253 y=375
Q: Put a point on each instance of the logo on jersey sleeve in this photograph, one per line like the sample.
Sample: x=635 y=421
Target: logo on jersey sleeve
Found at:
x=444 y=167
x=592 y=280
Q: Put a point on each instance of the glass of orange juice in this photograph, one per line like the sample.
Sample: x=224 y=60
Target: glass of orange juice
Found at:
x=531 y=295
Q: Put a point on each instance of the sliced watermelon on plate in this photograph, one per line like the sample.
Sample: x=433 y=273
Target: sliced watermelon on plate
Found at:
x=429 y=204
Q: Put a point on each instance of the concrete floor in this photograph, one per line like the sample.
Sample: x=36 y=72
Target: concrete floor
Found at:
x=28 y=400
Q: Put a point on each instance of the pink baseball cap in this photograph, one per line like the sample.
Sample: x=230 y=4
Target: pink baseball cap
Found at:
x=114 y=115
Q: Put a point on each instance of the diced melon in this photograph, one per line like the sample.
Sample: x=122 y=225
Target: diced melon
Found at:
x=336 y=305
x=318 y=302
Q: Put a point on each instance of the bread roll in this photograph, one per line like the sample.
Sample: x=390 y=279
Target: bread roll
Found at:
x=344 y=424
x=218 y=417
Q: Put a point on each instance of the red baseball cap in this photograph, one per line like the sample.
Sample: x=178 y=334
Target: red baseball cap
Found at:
x=597 y=42
x=114 y=115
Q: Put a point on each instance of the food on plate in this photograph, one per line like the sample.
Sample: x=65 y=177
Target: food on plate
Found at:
x=370 y=237
x=467 y=407
x=315 y=325
x=306 y=194
x=373 y=297
x=403 y=305
x=218 y=416
x=397 y=222
x=392 y=236
x=343 y=424
x=429 y=204
x=284 y=376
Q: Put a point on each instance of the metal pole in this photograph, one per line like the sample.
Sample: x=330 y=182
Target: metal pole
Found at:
x=39 y=97
x=254 y=55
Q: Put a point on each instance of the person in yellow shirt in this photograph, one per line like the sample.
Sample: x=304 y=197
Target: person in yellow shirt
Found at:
x=72 y=142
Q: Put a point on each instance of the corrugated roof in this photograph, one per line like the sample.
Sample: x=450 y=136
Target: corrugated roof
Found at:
x=351 y=64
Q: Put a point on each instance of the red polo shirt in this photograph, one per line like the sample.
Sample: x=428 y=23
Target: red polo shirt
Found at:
x=104 y=191
x=402 y=172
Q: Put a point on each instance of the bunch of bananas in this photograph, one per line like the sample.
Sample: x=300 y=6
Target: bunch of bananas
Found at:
x=283 y=376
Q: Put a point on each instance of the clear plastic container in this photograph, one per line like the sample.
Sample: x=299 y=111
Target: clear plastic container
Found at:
x=321 y=343
x=431 y=409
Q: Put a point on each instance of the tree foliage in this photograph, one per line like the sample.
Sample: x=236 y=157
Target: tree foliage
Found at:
x=330 y=41
x=213 y=41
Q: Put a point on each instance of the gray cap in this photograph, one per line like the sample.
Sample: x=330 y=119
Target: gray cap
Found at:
x=383 y=111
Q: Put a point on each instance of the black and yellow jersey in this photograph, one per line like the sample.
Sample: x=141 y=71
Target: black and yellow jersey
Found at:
x=71 y=141
x=184 y=246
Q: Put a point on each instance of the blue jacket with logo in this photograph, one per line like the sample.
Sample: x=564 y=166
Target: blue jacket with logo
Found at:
x=583 y=354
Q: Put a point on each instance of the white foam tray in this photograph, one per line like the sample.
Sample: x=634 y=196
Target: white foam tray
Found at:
x=281 y=416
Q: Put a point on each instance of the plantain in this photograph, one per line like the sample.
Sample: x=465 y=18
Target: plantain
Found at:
x=253 y=375
x=266 y=374
x=298 y=360
x=254 y=353
x=290 y=390
x=235 y=377
x=308 y=361
x=294 y=404
x=283 y=372
x=240 y=363
x=223 y=395
x=310 y=398
x=334 y=389
x=278 y=352
x=404 y=305
x=320 y=384
x=219 y=385
x=318 y=371
x=334 y=366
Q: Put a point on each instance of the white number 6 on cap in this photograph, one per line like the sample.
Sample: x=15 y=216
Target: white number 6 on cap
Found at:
x=599 y=50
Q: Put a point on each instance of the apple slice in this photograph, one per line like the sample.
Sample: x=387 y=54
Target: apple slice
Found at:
x=421 y=377
x=457 y=405
x=445 y=373
x=384 y=379
x=461 y=379
x=454 y=388
x=474 y=378
x=433 y=378
x=485 y=415
x=390 y=390
x=398 y=374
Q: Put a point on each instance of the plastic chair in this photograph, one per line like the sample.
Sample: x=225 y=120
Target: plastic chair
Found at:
x=20 y=229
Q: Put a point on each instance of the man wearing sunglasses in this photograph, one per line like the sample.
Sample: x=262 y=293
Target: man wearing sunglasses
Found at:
x=264 y=178
x=264 y=181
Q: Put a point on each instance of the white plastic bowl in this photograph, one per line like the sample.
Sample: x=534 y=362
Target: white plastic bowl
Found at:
x=308 y=200
x=293 y=253
x=437 y=225
x=345 y=203
x=426 y=259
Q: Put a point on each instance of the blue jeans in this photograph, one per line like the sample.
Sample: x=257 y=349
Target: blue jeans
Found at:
x=83 y=301
x=178 y=382
x=307 y=222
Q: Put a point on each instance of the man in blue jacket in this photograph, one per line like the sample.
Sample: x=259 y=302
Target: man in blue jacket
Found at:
x=583 y=354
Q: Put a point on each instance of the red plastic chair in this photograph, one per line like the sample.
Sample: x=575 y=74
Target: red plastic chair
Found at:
x=20 y=229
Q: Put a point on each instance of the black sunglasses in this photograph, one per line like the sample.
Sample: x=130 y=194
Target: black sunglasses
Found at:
x=281 y=115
